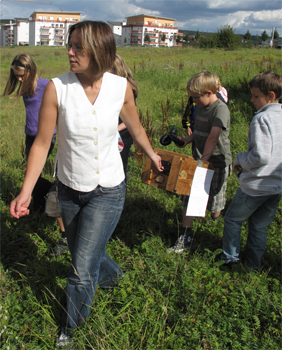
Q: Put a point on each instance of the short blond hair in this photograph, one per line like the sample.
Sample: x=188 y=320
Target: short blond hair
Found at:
x=201 y=82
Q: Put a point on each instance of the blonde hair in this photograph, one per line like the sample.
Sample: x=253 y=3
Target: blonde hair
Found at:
x=98 y=40
x=121 y=69
x=216 y=77
x=201 y=82
x=22 y=63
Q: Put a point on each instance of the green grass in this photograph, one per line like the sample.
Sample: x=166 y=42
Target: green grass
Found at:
x=164 y=301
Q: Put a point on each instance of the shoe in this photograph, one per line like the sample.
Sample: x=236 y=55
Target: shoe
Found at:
x=231 y=263
x=183 y=243
x=65 y=340
x=226 y=263
x=61 y=247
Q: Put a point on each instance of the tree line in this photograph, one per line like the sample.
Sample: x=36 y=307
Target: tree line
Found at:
x=225 y=37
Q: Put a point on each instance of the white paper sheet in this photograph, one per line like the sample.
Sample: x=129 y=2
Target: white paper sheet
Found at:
x=200 y=190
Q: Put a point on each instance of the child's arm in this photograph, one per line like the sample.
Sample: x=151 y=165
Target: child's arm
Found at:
x=260 y=147
x=186 y=140
x=211 y=142
x=121 y=126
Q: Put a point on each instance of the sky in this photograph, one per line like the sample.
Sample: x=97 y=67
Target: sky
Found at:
x=203 y=15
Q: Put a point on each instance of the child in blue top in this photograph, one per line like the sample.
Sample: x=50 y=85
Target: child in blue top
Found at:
x=260 y=170
x=24 y=79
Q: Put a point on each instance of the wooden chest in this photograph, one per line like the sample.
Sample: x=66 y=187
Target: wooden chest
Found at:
x=178 y=172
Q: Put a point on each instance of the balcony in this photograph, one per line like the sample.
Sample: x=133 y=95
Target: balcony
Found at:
x=150 y=32
x=59 y=40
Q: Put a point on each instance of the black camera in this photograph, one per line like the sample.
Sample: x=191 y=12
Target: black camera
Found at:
x=171 y=136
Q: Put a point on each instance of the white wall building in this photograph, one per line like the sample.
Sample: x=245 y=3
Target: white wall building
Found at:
x=51 y=28
x=117 y=30
x=16 y=32
x=143 y=30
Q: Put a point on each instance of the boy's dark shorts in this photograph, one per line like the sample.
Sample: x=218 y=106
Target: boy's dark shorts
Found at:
x=218 y=188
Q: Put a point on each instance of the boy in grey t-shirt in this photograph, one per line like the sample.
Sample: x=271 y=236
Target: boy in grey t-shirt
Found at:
x=210 y=136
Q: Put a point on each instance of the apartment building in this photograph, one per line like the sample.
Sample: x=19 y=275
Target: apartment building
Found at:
x=117 y=30
x=14 y=32
x=143 y=30
x=51 y=28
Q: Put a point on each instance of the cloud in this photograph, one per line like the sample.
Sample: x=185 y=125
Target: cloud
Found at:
x=205 y=15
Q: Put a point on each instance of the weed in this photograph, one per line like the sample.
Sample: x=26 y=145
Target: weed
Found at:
x=163 y=301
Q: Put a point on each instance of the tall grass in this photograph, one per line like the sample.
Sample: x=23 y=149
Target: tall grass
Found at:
x=164 y=301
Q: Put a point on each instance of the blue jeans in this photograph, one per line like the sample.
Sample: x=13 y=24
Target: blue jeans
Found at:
x=89 y=219
x=260 y=212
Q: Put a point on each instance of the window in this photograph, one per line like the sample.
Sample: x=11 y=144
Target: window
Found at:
x=71 y=19
x=61 y=25
x=52 y=25
x=60 y=18
x=76 y=19
x=39 y=17
x=51 y=18
x=67 y=18
x=44 y=17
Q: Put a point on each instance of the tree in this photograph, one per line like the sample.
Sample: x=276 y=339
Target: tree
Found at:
x=147 y=38
x=125 y=40
x=163 y=37
x=178 y=39
x=257 y=38
x=209 y=41
x=264 y=36
x=197 y=35
x=227 y=38
x=186 y=38
x=276 y=35
x=247 y=36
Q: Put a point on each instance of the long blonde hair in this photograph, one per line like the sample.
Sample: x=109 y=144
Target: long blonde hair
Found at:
x=121 y=69
x=22 y=63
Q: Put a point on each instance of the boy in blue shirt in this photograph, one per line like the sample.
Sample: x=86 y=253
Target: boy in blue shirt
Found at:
x=260 y=170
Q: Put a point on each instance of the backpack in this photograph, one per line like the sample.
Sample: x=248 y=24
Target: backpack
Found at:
x=188 y=119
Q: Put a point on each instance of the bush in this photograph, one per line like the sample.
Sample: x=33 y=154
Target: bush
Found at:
x=224 y=38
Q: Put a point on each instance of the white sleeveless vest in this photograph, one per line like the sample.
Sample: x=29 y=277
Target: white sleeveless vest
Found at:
x=88 y=153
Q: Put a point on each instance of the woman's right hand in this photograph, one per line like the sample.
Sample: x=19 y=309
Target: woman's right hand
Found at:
x=19 y=206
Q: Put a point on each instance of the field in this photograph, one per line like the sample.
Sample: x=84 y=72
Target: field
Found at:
x=164 y=301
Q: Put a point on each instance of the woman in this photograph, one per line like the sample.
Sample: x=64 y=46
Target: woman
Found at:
x=86 y=103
